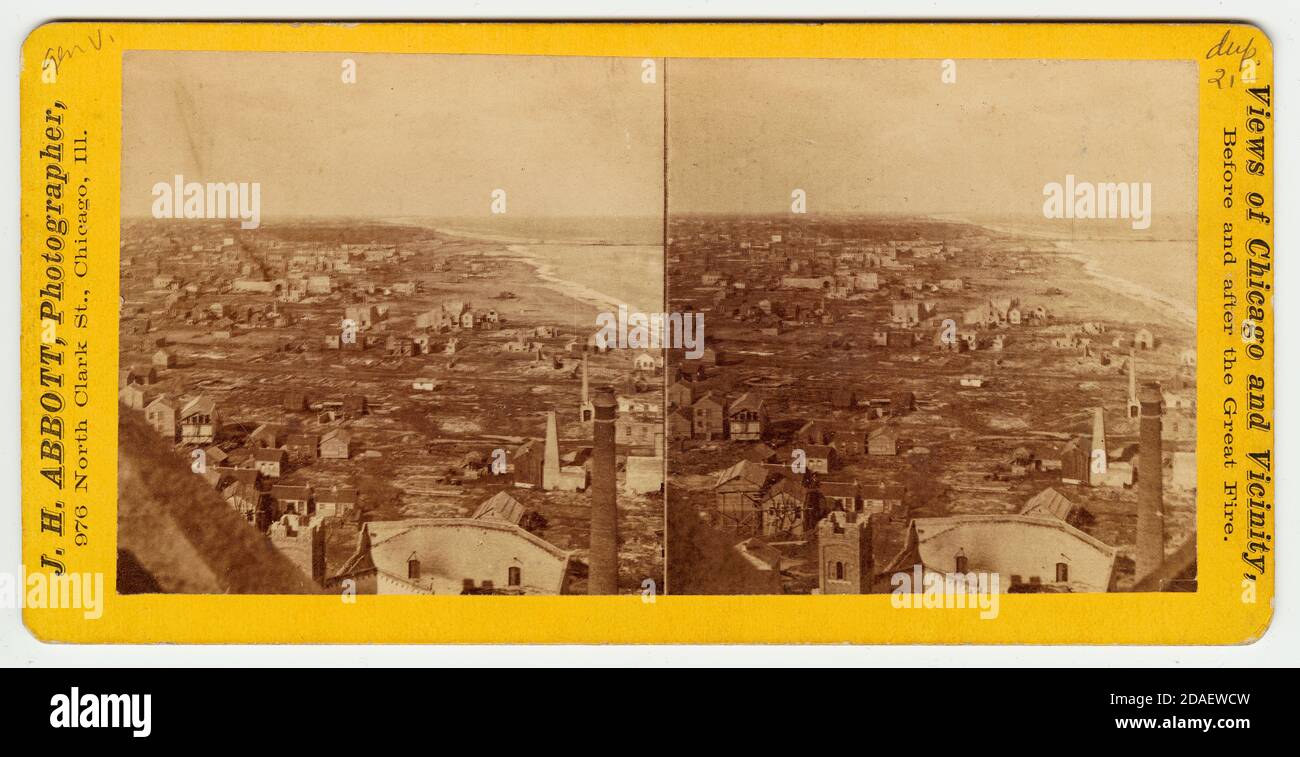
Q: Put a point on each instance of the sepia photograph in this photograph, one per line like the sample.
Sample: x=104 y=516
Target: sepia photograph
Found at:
x=360 y=336
x=951 y=311
x=551 y=337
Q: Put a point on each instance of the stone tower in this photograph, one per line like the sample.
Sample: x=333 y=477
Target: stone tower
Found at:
x=603 y=562
x=844 y=553
x=1151 y=511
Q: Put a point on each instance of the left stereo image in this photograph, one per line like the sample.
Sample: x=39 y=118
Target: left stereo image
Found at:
x=391 y=324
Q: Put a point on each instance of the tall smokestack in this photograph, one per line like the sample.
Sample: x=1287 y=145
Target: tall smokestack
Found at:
x=603 y=573
x=585 y=393
x=551 y=455
x=1133 y=405
x=1150 y=515
x=1098 y=461
x=586 y=413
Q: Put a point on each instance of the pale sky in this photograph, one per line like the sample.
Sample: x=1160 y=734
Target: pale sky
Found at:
x=890 y=136
x=433 y=135
x=416 y=135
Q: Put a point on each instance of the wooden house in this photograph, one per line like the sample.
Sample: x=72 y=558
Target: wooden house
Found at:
x=271 y=463
x=849 y=442
x=813 y=432
x=215 y=456
x=644 y=363
x=882 y=440
x=335 y=444
x=161 y=416
x=1076 y=462
x=819 y=457
x=302 y=447
x=200 y=421
x=1050 y=503
x=679 y=423
x=292 y=499
x=142 y=374
x=527 y=463
x=707 y=418
x=735 y=492
x=846 y=496
x=248 y=502
x=266 y=435
x=336 y=501
x=786 y=507
x=680 y=394
x=133 y=396
x=886 y=499
x=747 y=418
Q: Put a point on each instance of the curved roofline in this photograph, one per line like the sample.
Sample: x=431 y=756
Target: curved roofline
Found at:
x=1048 y=522
x=489 y=524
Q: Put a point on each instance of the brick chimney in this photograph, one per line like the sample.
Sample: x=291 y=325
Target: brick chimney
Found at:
x=1097 y=464
x=1150 y=514
x=551 y=455
x=603 y=574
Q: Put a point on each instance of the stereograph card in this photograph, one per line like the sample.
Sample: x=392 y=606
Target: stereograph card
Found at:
x=647 y=333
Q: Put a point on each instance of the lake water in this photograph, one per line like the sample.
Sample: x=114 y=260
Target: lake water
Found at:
x=1159 y=271
x=603 y=262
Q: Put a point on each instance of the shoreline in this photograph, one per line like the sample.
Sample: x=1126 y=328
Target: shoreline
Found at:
x=1180 y=311
x=499 y=238
x=525 y=250
x=573 y=290
x=1183 y=313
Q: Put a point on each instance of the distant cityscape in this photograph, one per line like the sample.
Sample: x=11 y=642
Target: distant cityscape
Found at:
x=386 y=414
x=886 y=394
x=874 y=356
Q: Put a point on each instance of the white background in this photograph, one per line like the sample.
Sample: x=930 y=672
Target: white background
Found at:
x=1279 y=645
